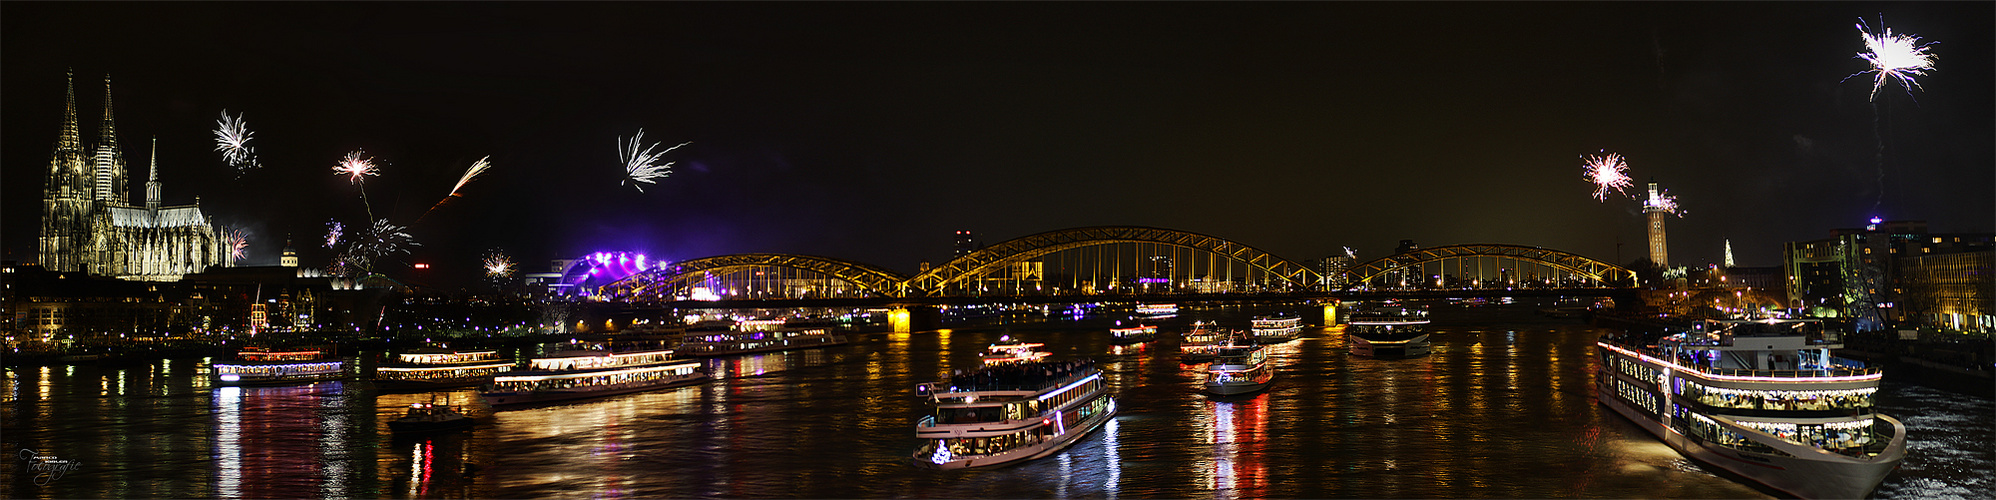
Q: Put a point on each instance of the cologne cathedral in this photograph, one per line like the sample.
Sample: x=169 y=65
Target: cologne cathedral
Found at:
x=89 y=226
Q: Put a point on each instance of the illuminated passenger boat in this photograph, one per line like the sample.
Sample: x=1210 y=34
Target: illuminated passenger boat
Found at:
x=1276 y=330
x=430 y=417
x=1157 y=310
x=1239 y=369
x=1388 y=332
x=1008 y=413
x=1762 y=399
x=429 y=368
x=757 y=336
x=590 y=374
x=1198 y=345
x=1133 y=334
x=1009 y=350
x=261 y=366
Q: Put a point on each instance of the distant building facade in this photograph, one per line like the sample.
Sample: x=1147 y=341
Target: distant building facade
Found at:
x=1895 y=272
x=89 y=226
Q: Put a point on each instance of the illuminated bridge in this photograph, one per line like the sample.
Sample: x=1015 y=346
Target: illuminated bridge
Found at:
x=1123 y=262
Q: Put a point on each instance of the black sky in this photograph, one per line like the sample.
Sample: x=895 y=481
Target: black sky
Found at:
x=872 y=131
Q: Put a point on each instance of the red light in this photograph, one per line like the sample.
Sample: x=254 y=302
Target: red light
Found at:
x=420 y=265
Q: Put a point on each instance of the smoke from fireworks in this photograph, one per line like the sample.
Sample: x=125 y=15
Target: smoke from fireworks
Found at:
x=476 y=169
x=643 y=166
x=498 y=266
x=333 y=230
x=238 y=242
x=232 y=138
x=1607 y=172
x=1893 y=57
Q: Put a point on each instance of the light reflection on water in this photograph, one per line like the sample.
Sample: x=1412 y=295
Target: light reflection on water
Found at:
x=1503 y=408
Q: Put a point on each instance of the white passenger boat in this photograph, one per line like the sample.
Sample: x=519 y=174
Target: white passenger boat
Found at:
x=1388 y=332
x=752 y=339
x=265 y=366
x=1240 y=368
x=1002 y=414
x=1157 y=311
x=1009 y=350
x=1132 y=334
x=1762 y=399
x=432 y=368
x=589 y=374
x=1277 y=329
x=1199 y=344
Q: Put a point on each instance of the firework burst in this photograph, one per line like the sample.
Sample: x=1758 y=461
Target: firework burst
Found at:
x=384 y=239
x=232 y=138
x=1893 y=57
x=238 y=242
x=1609 y=172
x=356 y=167
x=642 y=165
x=333 y=230
x=498 y=266
x=1664 y=202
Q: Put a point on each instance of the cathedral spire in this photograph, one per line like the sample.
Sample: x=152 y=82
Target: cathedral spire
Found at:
x=70 y=138
x=152 y=177
x=110 y=163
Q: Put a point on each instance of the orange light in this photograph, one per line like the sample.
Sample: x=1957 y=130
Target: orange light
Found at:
x=420 y=265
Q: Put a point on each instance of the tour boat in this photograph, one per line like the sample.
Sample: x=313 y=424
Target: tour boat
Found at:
x=1239 y=368
x=263 y=366
x=1156 y=311
x=1277 y=329
x=1009 y=350
x=589 y=374
x=1198 y=345
x=1008 y=413
x=1132 y=334
x=430 y=417
x=431 y=368
x=1388 y=332
x=1762 y=399
x=754 y=339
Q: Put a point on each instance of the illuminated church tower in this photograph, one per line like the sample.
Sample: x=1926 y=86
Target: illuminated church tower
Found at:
x=1656 y=212
x=89 y=224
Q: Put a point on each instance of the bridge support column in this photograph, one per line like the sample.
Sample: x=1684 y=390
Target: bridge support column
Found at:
x=1331 y=313
x=915 y=318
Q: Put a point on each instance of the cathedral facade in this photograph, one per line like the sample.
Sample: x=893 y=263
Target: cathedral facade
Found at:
x=88 y=224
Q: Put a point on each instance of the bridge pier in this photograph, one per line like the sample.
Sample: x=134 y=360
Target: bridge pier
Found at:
x=1331 y=313
x=906 y=319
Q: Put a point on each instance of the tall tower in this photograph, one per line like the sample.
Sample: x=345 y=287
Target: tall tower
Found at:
x=1729 y=252
x=965 y=244
x=66 y=195
x=110 y=162
x=1656 y=213
x=152 y=178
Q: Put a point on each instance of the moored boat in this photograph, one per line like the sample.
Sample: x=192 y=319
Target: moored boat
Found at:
x=1239 y=368
x=430 y=417
x=432 y=368
x=1157 y=311
x=266 y=366
x=1277 y=329
x=753 y=336
x=1389 y=332
x=1008 y=413
x=1009 y=350
x=1762 y=399
x=1124 y=335
x=576 y=375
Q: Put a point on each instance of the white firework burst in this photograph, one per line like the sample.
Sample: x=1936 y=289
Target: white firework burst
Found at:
x=1607 y=172
x=232 y=138
x=498 y=266
x=641 y=165
x=1664 y=202
x=1893 y=57
x=333 y=231
x=355 y=167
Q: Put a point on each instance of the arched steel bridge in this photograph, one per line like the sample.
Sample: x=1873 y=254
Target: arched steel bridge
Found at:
x=939 y=280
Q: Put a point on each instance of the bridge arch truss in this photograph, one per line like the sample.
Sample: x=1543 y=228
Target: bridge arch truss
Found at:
x=956 y=274
x=1565 y=269
x=668 y=281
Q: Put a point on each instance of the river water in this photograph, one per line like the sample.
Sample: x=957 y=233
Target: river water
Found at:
x=1504 y=408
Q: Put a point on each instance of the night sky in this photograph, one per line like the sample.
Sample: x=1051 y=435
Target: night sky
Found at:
x=873 y=131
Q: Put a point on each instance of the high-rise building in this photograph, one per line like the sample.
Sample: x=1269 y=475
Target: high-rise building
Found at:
x=1893 y=272
x=1656 y=210
x=965 y=244
x=88 y=224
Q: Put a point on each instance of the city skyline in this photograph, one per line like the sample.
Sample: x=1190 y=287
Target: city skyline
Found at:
x=871 y=132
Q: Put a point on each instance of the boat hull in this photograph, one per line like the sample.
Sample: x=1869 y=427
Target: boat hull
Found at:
x=708 y=353
x=423 y=426
x=1413 y=348
x=518 y=400
x=1826 y=476
x=1236 y=388
x=428 y=385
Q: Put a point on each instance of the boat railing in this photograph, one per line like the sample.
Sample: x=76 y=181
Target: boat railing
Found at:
x=928 y=421
x=1841 y=371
